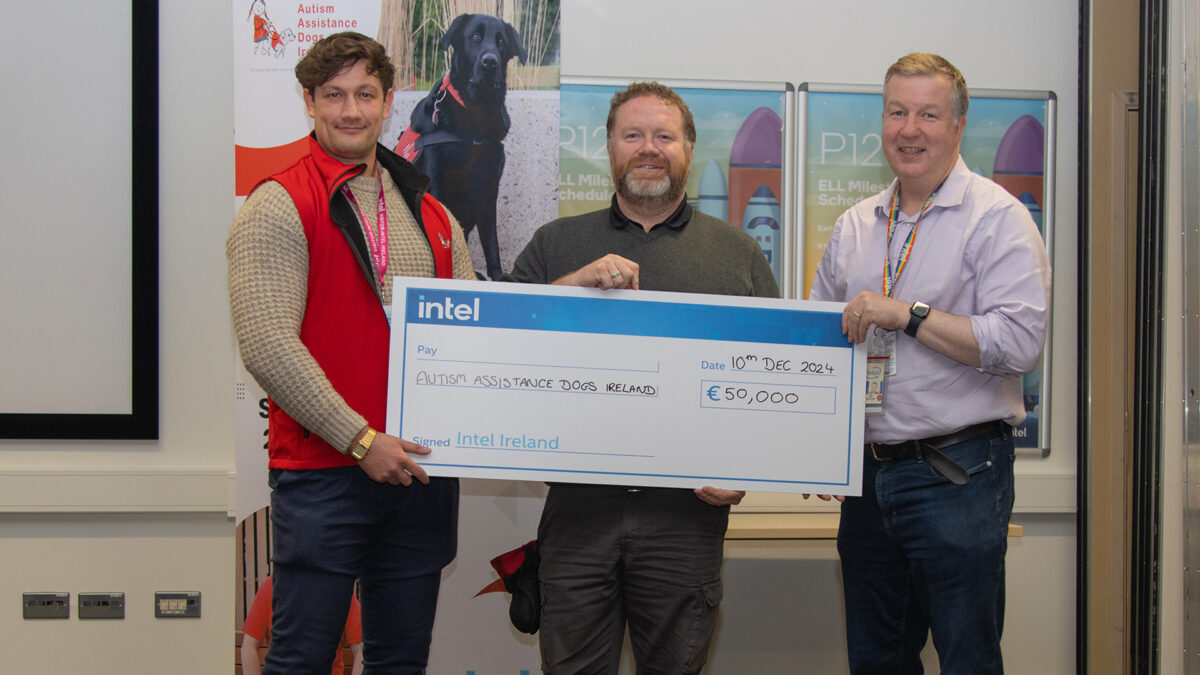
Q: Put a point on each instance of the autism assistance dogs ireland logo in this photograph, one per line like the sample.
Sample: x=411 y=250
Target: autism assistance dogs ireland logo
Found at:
x=268 y=40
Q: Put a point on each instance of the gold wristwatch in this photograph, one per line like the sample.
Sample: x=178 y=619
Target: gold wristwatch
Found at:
x=363 y=446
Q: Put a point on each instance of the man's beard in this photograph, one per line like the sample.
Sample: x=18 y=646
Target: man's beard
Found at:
x=655 y=194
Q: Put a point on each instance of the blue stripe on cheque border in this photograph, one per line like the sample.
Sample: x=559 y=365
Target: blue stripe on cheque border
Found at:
x=594 y=472
x=645 y=318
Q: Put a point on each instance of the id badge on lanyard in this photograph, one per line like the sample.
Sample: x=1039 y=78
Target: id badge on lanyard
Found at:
x=881 y=363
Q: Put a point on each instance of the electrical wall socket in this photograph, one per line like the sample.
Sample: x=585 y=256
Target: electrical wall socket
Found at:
x=177 y=604
x=46 y=605
x=101 y=605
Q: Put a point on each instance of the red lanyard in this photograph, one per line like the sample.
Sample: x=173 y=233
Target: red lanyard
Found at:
x=889 y=281
x=377 y=241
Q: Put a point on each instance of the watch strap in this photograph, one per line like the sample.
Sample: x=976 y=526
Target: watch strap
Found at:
x=916 y=314
x=363 y=446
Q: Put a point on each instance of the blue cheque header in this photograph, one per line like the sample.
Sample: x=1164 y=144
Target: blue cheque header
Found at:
x=624 y=317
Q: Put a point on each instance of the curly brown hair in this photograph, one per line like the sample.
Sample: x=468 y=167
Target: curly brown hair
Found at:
x=334 y=53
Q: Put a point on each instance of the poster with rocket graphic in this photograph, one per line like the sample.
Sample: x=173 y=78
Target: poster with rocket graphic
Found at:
x=1006 y=139
x=738 y=172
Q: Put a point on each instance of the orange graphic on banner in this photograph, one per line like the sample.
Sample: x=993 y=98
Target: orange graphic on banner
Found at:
x=255 y=164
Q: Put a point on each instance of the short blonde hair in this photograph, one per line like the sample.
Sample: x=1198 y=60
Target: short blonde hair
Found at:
x=919 y=64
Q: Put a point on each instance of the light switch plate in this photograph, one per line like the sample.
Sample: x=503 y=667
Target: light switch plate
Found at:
x=177 y=604
x=101 y=605
x=46 y=605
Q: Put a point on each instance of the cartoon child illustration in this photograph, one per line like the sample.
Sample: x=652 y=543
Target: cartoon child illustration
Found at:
x=268 y=39
x=262 y=24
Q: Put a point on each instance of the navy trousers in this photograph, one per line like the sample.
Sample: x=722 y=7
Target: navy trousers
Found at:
x=335 y=525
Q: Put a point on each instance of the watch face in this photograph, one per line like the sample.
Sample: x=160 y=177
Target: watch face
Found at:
x=920 y=309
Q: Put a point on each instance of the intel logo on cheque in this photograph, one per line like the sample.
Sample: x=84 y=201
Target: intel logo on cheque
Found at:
x=447 y=310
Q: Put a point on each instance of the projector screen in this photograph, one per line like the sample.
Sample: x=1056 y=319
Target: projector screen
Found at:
x=79 y=242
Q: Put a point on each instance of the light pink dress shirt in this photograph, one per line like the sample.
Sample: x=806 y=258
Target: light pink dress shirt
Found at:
x=978 y=254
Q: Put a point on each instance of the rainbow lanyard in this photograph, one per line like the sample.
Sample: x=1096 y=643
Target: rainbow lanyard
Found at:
x=377 y=242
x=889 y=281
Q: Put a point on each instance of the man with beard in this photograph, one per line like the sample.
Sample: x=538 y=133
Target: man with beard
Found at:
x=649 y=556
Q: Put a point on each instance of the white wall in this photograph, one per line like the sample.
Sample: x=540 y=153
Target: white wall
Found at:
x=152 y=545
x=163 y=503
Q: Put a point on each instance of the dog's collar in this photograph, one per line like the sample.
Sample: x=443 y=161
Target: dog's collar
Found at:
x=448 y=87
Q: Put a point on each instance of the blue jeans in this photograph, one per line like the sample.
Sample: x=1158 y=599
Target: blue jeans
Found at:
x=333 y=525
x=922 y=556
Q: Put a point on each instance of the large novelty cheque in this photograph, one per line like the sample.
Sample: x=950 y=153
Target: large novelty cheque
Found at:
x=565 y=384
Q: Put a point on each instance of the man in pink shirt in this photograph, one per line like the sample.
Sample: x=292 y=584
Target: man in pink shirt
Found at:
x=947 y=279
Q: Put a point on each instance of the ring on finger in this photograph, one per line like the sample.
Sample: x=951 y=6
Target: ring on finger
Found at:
x=615 y=275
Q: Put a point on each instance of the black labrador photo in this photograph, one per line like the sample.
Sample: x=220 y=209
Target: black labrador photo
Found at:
x=456 y=131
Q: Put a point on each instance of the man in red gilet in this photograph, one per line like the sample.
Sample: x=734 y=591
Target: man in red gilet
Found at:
x=311 y=257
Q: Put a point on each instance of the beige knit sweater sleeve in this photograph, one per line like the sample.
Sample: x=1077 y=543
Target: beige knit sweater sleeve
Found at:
x=267 y=254
x=268 y=282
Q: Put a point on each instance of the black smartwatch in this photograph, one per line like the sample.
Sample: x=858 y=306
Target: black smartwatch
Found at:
x=917 y=314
